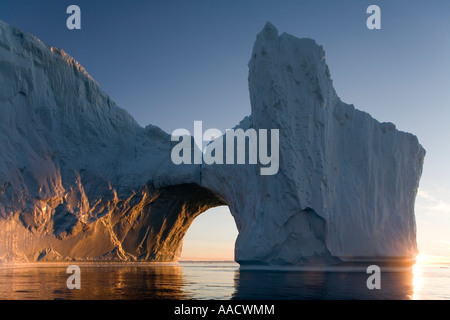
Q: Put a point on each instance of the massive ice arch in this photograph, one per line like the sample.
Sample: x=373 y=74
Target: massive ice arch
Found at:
x=81 y=180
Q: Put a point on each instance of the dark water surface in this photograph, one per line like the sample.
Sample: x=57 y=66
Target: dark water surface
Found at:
x=213 y=281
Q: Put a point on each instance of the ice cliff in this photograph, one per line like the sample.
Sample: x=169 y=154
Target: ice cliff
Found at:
x=81 y=180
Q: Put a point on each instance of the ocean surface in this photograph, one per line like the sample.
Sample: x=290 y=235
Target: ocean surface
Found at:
x=214 y=280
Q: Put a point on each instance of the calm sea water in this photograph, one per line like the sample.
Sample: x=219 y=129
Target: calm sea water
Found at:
x=214 y=281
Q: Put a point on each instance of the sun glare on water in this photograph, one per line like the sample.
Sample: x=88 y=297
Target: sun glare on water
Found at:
x=417 y=276
x=431 y=277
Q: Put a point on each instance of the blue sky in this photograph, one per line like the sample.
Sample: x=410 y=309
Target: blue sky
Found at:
x=169 y=63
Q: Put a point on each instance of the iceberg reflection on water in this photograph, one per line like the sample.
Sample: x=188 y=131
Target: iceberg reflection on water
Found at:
x=194 y=280
x=317 y=285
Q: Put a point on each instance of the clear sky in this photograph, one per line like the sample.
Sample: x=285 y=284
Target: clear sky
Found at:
x=169 y=63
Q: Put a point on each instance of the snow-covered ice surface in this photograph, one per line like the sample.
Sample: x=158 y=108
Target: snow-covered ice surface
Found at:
x=80 y=179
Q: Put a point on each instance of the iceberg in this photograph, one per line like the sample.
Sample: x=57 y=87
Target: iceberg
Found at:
x=81 y=180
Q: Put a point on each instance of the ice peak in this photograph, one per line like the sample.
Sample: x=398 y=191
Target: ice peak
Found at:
x=270 y=28
x=268 y=33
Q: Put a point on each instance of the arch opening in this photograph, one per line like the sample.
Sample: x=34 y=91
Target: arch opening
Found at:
x=211 y=236
x=166 y=214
